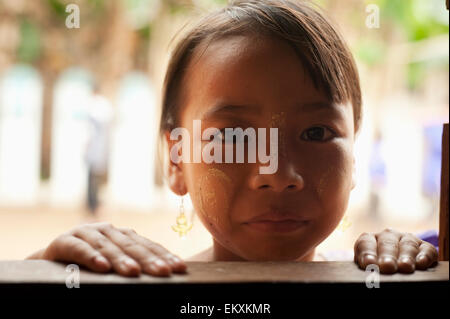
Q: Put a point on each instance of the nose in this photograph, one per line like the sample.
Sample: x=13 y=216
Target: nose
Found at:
x=286 y=178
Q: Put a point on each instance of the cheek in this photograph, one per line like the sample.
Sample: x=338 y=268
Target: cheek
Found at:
x=334 y=181
x=211 y=197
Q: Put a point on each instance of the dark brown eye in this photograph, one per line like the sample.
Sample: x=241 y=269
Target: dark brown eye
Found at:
x=317 y=133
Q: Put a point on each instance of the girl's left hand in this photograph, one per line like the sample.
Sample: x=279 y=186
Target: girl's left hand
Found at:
x=394 y=252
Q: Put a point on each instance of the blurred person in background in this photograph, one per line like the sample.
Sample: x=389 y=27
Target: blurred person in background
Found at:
x=99 y=117
x=377 y=170
x=431 y=174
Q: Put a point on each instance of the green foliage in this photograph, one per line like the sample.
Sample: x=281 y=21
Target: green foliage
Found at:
x=97 y=7
x=221 y=2
x=418 y=19
x=30 y=44
x=416 y=72
x=145 y=32
x=371 y=52
x=58 y=8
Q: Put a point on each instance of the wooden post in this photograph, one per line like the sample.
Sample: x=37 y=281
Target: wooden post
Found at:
x=443 y=211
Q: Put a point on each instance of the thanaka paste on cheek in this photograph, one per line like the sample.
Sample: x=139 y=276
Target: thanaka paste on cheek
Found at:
x=213 y=195
x=324 y=181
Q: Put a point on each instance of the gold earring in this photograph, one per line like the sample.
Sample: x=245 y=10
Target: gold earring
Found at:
x=183 y=226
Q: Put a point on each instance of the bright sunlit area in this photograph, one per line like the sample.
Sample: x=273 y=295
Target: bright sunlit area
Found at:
x=80 y=107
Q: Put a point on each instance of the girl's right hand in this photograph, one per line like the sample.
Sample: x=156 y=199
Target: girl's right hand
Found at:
x=101 y=247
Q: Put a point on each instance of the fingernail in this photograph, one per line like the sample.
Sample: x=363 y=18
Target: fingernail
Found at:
x=159 y=267
x=406 y=260
x=129 y=262
x=153 y=268
x=100 y=260
x=387 y=259
x=369 y=259
x=170 y=261
x=422 y=258
x=160 y=263
x=155 y=264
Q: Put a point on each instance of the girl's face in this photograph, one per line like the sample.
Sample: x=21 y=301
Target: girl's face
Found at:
x=262 y=84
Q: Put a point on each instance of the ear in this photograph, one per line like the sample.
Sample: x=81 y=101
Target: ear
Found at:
x=354 y=173
x=175 y=172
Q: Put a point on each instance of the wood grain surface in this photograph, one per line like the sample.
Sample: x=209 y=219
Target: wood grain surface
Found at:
x=443 y=209
x=47 y=272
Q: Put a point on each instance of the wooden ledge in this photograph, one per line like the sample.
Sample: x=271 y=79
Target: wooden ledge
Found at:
x=47 y=272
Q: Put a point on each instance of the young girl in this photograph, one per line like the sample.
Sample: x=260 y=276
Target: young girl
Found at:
x=257 y=64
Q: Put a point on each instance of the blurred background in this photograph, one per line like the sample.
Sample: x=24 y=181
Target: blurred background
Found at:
x=79 y=113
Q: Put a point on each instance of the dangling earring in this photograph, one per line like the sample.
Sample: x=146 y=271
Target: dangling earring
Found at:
x=183 y=226
x=344 y=224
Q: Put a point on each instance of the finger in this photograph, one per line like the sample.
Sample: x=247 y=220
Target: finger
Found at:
x=121 y=262
x=408 y=250
x=388 y=249
x=177 y=264
x=366 y=250
x=149 y=261
x=76 y=250
x=427 y=256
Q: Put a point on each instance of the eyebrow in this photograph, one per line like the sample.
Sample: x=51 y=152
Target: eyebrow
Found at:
x=233 y=109
x=315 y=106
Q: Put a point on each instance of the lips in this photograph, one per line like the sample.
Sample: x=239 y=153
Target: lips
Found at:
x=276 y=221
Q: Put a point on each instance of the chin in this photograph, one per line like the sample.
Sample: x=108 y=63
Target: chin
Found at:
x=276 y=248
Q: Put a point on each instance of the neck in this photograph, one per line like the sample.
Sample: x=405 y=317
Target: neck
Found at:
x=220 y=253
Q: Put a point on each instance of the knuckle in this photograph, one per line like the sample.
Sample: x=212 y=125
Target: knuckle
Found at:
x=129 y=244
x=409 y=242
x=61 y=239
x=427 y=245
x=411 y=235
x=128 y=231
x=104 y=226
x=160 y=249
x=389 y=231
x=167 y=255
x=57 y=245
x=100 y=244
x=363 y=236
x=388 y=242
x=77 y=250
x=77 y=230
